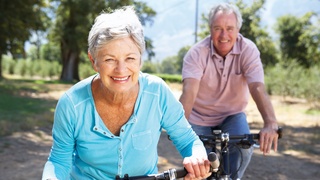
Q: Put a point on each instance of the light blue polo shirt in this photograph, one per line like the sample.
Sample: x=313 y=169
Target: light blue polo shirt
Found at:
x=84 y=148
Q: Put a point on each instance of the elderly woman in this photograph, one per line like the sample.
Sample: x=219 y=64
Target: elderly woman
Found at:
x=109 y=124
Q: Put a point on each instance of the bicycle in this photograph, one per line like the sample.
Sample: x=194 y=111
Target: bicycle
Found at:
x=218 y=157
x=217 y=137
x=172 y=174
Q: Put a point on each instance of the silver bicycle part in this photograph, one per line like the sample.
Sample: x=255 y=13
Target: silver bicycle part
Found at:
x=171 y=174
x=225 y=137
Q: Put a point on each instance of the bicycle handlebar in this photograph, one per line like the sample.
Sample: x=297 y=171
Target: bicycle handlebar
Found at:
x=182 y=172
x=246 y=140
x=165 y=175
x=221 y=136
x=173 y=173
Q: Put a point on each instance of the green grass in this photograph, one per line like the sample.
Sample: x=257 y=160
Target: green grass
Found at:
x=20 y=110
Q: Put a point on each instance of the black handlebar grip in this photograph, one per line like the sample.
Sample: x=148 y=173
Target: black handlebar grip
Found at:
x=255 y=136
x=279 y=131
x=180 y=173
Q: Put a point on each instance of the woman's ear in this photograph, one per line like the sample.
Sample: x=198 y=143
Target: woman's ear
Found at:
x=93 y=64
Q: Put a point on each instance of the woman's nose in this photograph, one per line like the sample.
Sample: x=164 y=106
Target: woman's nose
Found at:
x=121 y=66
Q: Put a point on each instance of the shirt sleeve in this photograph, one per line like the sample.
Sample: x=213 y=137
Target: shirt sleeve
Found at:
x=60 y=159
x=178 y=128
x=194 y=63
x=252 y=66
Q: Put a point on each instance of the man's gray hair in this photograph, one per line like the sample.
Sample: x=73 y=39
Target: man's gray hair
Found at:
x=225 y=8
x=120 y=23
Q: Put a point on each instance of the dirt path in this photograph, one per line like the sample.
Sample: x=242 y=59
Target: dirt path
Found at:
x=23 y=154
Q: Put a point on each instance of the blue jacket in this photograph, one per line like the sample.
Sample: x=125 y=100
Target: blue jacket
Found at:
x=84 y=148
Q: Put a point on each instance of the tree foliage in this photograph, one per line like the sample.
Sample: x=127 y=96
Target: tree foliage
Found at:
x=51 y=52
x=168 y=65
x=17 y=20
x=251 y=29
x=299 y=39
x=73 y=22
x=149 y=67
x=179 y=60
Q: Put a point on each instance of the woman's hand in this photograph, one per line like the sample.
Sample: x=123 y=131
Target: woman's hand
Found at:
x=198 y=168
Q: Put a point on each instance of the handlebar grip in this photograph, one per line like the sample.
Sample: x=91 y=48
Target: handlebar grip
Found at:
x=279 y=131
x=180 y=173
x=255 y=136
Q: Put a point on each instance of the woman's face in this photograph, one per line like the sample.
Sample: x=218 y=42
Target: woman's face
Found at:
x=118 y=64
x=224 y=32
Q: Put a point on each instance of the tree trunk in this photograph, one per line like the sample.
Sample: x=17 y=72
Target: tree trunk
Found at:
x=70 y=64
x=1 y=66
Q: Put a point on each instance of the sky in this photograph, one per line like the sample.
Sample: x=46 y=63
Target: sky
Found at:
x=174 y=24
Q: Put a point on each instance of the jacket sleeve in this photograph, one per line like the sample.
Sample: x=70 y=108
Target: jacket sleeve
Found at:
x=178 y=128
x=60 y=159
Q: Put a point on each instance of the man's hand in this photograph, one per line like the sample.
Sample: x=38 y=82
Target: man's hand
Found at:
x=268 y=136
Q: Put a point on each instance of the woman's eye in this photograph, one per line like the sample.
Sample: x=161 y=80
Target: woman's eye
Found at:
x=109 y=60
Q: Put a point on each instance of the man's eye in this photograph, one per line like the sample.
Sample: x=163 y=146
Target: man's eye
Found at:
x=230 y=29
x=131 y=59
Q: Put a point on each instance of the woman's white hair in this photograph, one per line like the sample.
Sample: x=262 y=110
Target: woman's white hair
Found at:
x=120 y=23
x=225 y=8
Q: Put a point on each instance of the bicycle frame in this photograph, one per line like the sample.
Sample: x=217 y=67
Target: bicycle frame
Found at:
x=244 y=141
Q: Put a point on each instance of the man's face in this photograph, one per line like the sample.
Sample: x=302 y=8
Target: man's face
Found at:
x=224 y=32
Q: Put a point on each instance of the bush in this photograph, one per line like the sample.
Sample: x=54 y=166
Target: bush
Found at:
x=31 y=68
x=291 y=79
x=311 y=87
x=149 y=67
x=85 y=70
x=170 y=78
x=8 y=65
x=20 y=67
x=45 y=69
x=285 y=79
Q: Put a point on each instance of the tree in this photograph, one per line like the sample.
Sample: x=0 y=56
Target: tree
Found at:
x=251 y=29
x=149 y=67
x=73 y=22
x=179 y=60
x=149 y=48
x=204 y=27
x=168 y=65
x=299 y=39
x=50 y=51
x=18 y=19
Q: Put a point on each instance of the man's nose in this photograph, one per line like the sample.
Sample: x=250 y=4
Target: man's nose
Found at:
x=223 y=33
